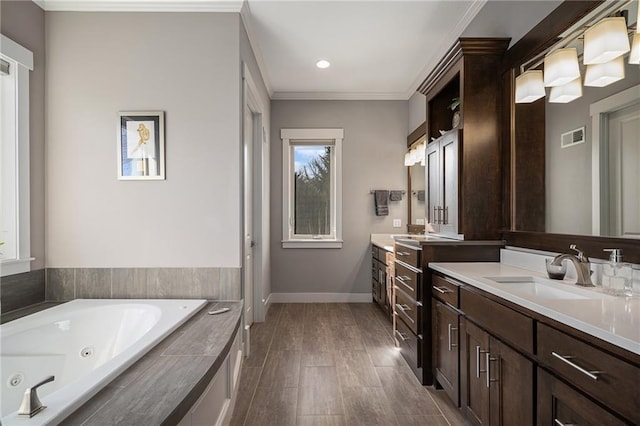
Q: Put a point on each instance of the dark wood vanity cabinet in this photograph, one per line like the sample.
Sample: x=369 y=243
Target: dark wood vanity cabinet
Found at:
x=379 y=277
x=519 y=367
x=496 y=381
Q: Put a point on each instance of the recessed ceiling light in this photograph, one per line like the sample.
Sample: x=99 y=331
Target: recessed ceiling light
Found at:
x=323 y=64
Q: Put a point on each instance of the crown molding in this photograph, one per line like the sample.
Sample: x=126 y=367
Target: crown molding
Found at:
x=245 y=14
x=340 y=96
x=444 y=47
x=224 y=6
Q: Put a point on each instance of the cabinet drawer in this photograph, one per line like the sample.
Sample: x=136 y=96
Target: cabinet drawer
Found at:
x=408 y=280
x=610 y=380
x=375 y=252
x=408 y=255
x=409 y=343
x=501 y=321
x=408 y=310
x=445 y=290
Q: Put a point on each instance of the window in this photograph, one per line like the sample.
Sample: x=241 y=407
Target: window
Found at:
x=312 y=188
x=15 y=63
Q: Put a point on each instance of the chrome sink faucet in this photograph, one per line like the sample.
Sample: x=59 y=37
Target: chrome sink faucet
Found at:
x=581 y=262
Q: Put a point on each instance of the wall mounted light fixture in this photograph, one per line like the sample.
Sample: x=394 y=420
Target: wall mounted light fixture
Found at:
x=561 y=67
x=605 y=41
x=601 y=75
x=529 y=86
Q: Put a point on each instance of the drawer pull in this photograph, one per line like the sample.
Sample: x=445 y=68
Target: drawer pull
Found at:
x=442 y=290
x=451 y=328
x=405 y=284
x=403 y=253
x=402 y=336
x=559 y=423
x=404 y=309
x=591 y=374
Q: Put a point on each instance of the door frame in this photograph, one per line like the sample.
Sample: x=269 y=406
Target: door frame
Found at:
x=252 y=101
x=599 y=138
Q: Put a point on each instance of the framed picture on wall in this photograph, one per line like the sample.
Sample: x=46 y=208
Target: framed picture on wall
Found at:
x=141 y=145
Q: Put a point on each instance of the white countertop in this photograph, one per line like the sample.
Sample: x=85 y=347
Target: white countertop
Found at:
x=387 y=241
x=613 y=319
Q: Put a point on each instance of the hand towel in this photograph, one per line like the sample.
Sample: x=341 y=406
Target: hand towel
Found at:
x=395 y=195
x=381 y=199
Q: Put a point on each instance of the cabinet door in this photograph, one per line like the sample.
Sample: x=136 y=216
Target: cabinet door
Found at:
x=474 y=393
x=450 y=170
x=560 y=404
x=509 y=377
x=446 y=352
x=433 y=185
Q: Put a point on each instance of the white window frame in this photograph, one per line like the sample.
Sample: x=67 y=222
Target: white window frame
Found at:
x=17 y=172
x=293 y=137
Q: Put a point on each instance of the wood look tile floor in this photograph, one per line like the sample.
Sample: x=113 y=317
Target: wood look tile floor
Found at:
x=325 y=364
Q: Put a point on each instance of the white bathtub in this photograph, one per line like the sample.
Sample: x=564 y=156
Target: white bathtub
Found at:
x=83 y=343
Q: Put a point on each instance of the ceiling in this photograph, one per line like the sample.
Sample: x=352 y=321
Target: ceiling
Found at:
x=378 y=49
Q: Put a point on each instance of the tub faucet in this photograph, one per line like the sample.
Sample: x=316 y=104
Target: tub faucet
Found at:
x=31 y=404
x=581 y=262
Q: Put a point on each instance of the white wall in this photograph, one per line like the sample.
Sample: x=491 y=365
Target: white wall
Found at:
x=186 y=64
x=375 y=134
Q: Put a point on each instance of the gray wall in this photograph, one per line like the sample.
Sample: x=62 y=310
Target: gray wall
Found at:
x=24 y=23
x=374 y=144
x=186 y=64
x=568 y=170
x=417 y=111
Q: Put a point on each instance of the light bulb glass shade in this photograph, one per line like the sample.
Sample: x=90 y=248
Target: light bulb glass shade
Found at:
x=529 y=87
x=605 y=41
x=561 y=67
x=566 y=93
x=600 y=75
x=634 y=56
x=408 y=159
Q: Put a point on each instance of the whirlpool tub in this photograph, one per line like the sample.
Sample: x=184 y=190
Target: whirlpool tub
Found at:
x=85 y=344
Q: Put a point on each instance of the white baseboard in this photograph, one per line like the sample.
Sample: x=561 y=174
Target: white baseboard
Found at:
x=320 y=298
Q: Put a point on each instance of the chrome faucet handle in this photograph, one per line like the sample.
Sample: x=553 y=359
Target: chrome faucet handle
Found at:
x=31 y=404
x=581 y=256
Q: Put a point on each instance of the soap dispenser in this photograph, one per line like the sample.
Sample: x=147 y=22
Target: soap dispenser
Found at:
x=616 y=275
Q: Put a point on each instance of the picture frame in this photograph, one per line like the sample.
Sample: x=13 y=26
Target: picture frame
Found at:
x=141 y=145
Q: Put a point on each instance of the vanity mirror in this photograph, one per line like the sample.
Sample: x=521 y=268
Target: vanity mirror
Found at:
x=416 y=182
x=571 y=169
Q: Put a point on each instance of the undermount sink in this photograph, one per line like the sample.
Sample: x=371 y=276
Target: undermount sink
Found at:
x=544 y=289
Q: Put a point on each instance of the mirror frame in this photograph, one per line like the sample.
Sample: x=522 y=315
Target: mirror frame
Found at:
x=532 y=170
x=414 y=137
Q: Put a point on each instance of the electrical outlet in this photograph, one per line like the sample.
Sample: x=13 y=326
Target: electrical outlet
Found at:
x=397 y=223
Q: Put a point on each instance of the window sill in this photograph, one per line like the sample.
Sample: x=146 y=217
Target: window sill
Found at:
x=312 y=244
x=15 y=266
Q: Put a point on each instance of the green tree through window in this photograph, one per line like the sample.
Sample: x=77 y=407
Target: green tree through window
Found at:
x=312 y=182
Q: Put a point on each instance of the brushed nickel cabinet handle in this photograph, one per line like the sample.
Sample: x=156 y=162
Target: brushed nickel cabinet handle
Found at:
x=488 y=370
x=478 y=369
x=559 y=423
x=404 y=309
x=402 y=336
x=565 y=358
x=442 y=290
x=401 y=281
x=451 y=328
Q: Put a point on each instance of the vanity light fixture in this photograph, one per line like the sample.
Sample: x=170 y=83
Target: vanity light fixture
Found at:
x=323 y=63
x=601 y=75
x=634 y=56
x=566 y=93
x=605 y=41
x=408 y=158
x=561 y=67
x=529 y=87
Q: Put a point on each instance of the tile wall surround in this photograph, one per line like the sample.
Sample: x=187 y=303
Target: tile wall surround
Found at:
x=22 y=290
x=143 y=283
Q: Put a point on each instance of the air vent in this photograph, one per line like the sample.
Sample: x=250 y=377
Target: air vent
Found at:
x=572 y=138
